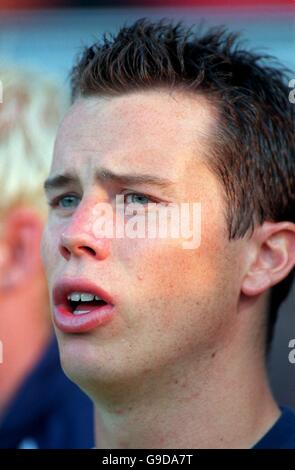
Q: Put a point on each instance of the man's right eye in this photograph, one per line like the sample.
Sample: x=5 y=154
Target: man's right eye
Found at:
x=65 y=202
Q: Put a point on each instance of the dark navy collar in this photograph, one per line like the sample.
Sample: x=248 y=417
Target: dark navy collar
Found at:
x=49 y=409
x=282 y=434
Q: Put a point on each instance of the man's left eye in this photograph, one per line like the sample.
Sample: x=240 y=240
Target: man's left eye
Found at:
x=135 y=198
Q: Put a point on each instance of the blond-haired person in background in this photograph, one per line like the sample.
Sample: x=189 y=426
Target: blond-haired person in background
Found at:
x=39 y=406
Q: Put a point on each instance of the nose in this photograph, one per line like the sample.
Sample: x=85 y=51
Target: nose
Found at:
x=77 y=240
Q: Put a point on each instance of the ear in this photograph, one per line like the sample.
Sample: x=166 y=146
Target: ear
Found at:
x=19 y=248
x=271 y=256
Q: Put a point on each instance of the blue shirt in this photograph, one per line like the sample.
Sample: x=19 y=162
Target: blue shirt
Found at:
x=282 y=434
x=49 y=411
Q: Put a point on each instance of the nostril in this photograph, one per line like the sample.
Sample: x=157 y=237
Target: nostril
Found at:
x=65 y=252
x=88 y=250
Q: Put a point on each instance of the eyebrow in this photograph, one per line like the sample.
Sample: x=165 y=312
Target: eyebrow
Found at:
x=104 y=175
x=60 y=181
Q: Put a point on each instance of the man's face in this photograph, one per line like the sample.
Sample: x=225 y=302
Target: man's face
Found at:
x=170 y=305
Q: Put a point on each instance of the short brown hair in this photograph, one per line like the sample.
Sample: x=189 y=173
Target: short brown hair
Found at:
x=254 y=153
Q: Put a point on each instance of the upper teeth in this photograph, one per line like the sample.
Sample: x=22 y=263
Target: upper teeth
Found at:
x=83 y=297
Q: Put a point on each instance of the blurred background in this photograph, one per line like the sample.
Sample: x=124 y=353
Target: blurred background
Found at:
x=46 y=36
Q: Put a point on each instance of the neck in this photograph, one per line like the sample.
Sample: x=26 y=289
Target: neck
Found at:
x=25 y=329
x=223 y=401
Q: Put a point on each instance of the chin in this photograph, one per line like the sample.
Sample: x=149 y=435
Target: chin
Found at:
x=89 y=364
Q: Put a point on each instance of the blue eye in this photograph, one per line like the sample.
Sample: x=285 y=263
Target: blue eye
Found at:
x=137 y=199
x=68 y=202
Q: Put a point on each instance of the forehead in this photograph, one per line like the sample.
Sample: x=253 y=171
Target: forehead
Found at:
x=154 y=130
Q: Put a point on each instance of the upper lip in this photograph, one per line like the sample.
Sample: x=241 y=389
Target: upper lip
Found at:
x=64 y=287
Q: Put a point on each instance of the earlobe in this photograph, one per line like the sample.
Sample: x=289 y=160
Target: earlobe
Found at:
x=20 y=248
x=8 y=273
x=274 y=257
x=256 y=283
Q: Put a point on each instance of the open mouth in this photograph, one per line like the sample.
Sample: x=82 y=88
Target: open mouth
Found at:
x=80 y=306
x=81 y=303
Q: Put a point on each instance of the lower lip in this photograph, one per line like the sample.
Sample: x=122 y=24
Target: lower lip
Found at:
x=67 y=322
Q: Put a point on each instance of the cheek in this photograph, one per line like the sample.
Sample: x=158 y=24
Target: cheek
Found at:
x=196 y=284
x=166 y=263
x=176 y=296
x=155 y=269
